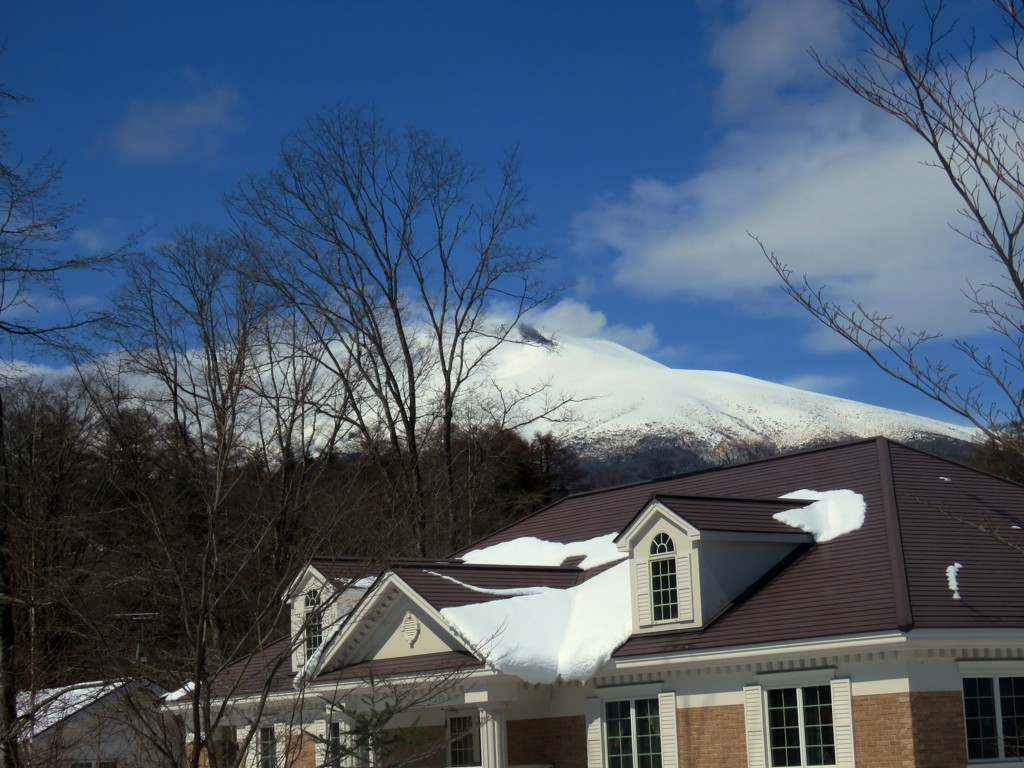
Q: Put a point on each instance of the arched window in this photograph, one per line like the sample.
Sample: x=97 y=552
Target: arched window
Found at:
x=664 y=591
x=313 y=621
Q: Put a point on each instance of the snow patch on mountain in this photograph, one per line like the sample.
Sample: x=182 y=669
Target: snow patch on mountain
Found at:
x=621 y=395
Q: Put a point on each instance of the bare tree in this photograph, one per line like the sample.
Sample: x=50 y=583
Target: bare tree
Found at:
x=948 y=96
x=217 y=532
x=34 y=223
x=391 y=246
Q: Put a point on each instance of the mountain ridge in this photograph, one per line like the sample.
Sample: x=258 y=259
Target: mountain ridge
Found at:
x=622 y=396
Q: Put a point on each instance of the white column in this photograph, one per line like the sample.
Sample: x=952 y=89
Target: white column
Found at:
x=493 y=736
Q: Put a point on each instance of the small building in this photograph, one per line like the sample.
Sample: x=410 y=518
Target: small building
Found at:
x=104 y=724
x=854 y=605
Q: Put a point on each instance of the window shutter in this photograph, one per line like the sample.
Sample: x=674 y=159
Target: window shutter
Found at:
x=282 y=742
x=842 y=722
x=299 y=652
x=753 y=715
x=252 y=754
x=667 y=726
x=643 y=593
x=595 y=751
x=316 y=732
x=684 y=587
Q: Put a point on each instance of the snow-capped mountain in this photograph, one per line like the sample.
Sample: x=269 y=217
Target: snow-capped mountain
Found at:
x=622 y=394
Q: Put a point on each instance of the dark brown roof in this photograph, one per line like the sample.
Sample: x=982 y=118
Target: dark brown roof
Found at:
x=404 y=665
x=250 y=674
x=890 y=574
x=342 y=570
x=923 y=514
x=449 y=585
x=733 y=515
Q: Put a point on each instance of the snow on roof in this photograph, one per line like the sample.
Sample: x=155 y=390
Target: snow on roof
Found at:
x=951 y=580
x=832 y=514
x=512 y=592
x=180 y=693
x=47 y=707
x=529 y=550
x=552 y=634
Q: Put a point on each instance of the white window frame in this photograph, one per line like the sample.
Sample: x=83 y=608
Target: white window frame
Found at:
x=997 y=716
x=632 y=706
x=474 y=733
x=265 y=759
x=225 y=735
x=594 y=714
x=312 y=616
x=666 y=559
x=993 y=670
x=755 y=705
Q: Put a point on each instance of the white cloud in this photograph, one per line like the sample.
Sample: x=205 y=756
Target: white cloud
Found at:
x=197 y=122
x=104 y=235
x=574 y=318
x=767 y=49
x=837 y=190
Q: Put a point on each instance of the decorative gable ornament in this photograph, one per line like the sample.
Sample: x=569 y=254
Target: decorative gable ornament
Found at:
x=410 y=628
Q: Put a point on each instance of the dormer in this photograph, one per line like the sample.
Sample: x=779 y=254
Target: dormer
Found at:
x=691 y=557
x=317 y=602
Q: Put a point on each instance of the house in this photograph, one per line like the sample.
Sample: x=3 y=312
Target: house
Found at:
x=103 y=724
x=854 y=605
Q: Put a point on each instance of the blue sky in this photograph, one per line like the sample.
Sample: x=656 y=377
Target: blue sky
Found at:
x=655 y=136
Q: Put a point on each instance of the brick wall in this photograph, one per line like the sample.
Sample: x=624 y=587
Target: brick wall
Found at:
x=301 y=752
x=557 y=741
x=883 y=731
x=939 y=738
x=711 y=737
x=909 y=730
x=423 y=747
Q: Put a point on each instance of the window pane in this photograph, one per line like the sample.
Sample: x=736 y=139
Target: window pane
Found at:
x=618 y=734
x=1011 y=710
x=648 y=734
x=268 y=748
x=783 y=727
x=818 y=725
x=664 y=596
x=461 y=733
x=662 y=544
x=980 y=718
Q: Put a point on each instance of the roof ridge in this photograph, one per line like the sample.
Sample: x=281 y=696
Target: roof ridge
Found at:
x=894 y=537
x=660 y=480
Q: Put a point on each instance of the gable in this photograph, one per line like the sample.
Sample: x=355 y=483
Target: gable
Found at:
x=407 y=630
x=682 y=575
x=391 y=622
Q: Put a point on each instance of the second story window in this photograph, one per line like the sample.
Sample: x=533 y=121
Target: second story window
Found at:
x=313 y=622
x=664 y=589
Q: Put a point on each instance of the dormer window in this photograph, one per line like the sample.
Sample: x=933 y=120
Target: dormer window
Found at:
x=313 y=622
x=664 y=589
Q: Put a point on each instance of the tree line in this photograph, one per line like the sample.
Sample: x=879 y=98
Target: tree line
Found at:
x=312 y=381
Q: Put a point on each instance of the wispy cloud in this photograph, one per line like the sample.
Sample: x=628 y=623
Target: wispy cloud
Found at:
x=834 y=188
x=197 y=122
x=574 y=318
x=765 y=52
